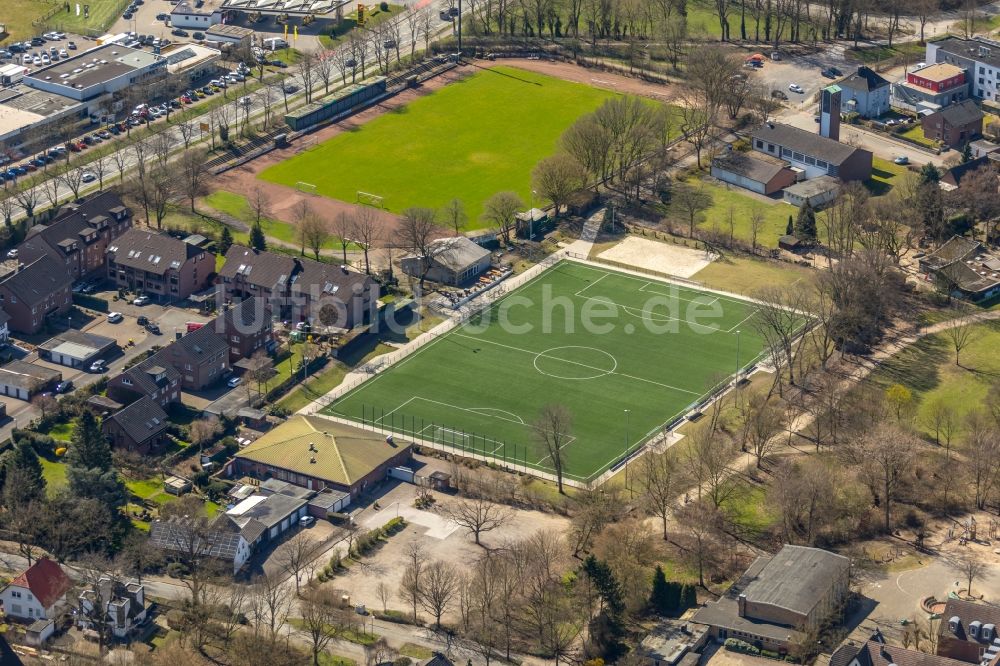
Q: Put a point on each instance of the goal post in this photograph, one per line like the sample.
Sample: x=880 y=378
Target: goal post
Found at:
x=369 y=199
x=303 y=186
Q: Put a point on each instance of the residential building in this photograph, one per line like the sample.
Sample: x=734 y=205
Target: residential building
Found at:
x=954 y=125
x=221 y=539
x=247 y=327
x=153 y=378
x=753 y=171
x=817 y=192
x=138 y=428
x=122 y=604
x=37 y=593
x=673 y=642
x=931 y=88
x=978 y=57
x=35 y=293
x=163 y=267
x=876 y=651
x=79 y=235
x=864 y=92
x=968 y=631
x=22 y=380
x=300 y=289
x=76 y=349
x=952 y=177
x=815 y=155
x=201 y=357
x=964 y=268
x=780 y=598
x=316 y=453
x=453 y=261
x=95 y=74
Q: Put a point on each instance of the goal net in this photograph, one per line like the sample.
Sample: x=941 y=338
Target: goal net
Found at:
x=303 y=186
x=369 y=199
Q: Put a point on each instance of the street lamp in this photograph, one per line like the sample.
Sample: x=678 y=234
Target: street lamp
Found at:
x=531 y=216
x=737 y=358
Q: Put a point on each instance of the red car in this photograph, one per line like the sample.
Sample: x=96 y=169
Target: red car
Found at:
x=73 y=147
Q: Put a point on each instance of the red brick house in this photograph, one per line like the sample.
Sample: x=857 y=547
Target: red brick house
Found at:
x=79 y=235
x=967 y=630
x=163 y=267
x=138 y=428
x=154 y=378
x=954 y=125
x=201 y=358
x=34 y=293
x=246 y=327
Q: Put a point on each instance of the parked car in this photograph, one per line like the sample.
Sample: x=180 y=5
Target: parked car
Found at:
x=64 y=386
x=88 y=177
x=306 y=521
x=199 y=35
x=161 y=17
x=901 y=159
x=234 y=382
x=115 y=317
x=71 y=46
x=177 y=32
x=796 y=88
x=141 y=300
x=153 y=328
x=99 y=366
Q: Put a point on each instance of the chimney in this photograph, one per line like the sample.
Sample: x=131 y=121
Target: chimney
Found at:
x=829 y=112
x=742 y=605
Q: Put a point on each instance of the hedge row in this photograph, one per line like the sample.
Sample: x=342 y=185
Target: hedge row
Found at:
x=91 y=302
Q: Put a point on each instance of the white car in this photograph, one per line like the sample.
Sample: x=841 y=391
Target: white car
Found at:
x=234 y=382
x=795 y=88
x=141 y=300
x=901 y=159
x=306 y=521
x=115 y=317
x=45 y=59
x=88 y=177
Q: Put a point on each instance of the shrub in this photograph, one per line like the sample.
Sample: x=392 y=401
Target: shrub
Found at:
x=402 y=661
x=394 y=525
x=770 y=654
x=61 y=451
x=383 y=6
x=175 y=619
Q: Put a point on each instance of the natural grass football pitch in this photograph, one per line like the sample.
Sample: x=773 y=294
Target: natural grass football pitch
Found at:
x=468 y=140
x=652 y=348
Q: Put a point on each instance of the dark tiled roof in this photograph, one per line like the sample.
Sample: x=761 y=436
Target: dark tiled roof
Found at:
x=152 y=252
x=955 y=174
x=845 y=654
x=865 y=79
x=252 y=530
x=248 y=316
x=141 y=420
x=46 y=580
x=319 y=280
x=38 y=280
x=954 y=249
x=801 y=141
x=143 y=380
x=201 y=343
x=876 y=652
x=76 y=223
x=966 y=612
x=263 y=269
x=962 y=113
x=758 y=167
x=7 y=655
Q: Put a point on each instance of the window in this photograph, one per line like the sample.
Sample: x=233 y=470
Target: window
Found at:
x=236 y=338
x=760 y=145
x=15 y=594
x=187 y=366
x=126 y=381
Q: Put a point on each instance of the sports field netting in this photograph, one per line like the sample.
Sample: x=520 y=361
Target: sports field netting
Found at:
x=596 y=340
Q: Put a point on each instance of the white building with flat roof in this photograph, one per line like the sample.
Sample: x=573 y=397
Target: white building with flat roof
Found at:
x=98 y=71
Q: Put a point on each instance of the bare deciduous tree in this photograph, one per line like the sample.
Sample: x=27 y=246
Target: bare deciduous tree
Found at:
x=478 y=516
x=553 y=429
x=501 y=211
x=439 y=589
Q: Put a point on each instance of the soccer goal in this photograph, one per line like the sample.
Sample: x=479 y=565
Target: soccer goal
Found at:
x=303 y=186
x=369 y=199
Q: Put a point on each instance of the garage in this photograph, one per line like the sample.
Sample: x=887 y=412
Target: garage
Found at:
x=76 y=349
x=22 y=380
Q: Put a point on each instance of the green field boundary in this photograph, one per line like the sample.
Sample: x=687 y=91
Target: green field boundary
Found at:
x=501 y=453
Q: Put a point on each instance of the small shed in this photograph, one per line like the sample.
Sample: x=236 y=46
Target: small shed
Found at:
x=790 y=243
x=176 y=485
x=439 y=480
x=253 y=418
x=39 y=631
x=328 y=501
x=76 y=349
x=817 y=192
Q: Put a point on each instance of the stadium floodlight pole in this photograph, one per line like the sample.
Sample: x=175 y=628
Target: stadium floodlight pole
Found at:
x=459 y=30
x=737 y=358
x=626 y=454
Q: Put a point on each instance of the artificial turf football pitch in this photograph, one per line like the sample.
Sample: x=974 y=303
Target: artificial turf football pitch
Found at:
x=474 y=137
x=597 y=341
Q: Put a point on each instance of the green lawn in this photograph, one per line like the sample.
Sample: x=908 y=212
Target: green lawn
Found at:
x=916 y=133
x=102 y=14
x=742 y=204
x=875 y=54
x=17 y=15
x=319 y=384
x=61 y=431
x=237 y=206
x=928 y=369
x=340 y=32
x=597 y=341
x=54 y=472
x=745 y=276
x=885 y=176
x=469 y=140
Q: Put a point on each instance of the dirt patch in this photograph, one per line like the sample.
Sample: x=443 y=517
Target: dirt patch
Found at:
x=569 y=71
x=660 y=257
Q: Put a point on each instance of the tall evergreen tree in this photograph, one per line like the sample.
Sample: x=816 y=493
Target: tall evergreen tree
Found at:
x=805 y=225
x=257 y=240
x=24 y=481
x=689 y=597
x=789 y=229
x=90 y=472
x=225 y=240
x=659 y=598
x=967 y=153
x=673 y=596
